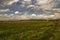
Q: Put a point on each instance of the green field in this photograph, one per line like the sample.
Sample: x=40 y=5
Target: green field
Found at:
x=30 y=30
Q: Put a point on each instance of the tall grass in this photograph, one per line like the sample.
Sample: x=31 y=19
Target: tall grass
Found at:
x=30 y=30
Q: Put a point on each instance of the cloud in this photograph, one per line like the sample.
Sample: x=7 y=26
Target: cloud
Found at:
x=27 y=1
x=48 y=6
x=26 y=16
x=34 y=7
x=42 y=2
x=7 y=2
x=17 y=12
x=4 y=10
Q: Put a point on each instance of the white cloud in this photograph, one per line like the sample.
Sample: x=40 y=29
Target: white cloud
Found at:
x=34 y=7
x=33 y=15
x=10 y=15
x=28 y=16
x=42 y=2
x=7 y=2
x=17 y=12
x=4 y=10
x=30 y=6
x=27 y=1
x=12 y=2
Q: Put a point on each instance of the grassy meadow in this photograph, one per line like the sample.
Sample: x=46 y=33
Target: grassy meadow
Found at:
x=30 y=30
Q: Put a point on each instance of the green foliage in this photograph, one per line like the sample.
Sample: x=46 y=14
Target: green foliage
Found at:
x=30 y=30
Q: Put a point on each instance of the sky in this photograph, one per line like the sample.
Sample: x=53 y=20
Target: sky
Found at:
x=29 y=9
